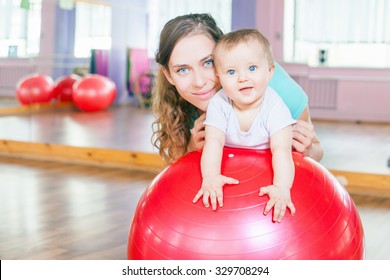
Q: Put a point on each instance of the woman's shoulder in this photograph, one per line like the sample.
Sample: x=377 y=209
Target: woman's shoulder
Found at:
x=289 y=90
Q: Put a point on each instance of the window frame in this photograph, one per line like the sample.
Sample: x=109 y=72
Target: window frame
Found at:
x=21 y=33
x=334 y=52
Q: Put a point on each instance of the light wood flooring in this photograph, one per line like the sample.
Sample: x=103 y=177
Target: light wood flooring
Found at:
x=355 y=147
x=65 y=211
x=62 y=210
x=349 y=146
x=122 y=128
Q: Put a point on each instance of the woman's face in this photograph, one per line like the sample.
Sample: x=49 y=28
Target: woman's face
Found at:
x=191 y=70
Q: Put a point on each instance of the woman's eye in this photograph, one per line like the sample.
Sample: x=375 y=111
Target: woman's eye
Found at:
x=209 y=63
x=252 y=68
x=231 y=72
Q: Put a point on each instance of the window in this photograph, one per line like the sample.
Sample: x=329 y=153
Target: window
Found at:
x=20 y=28
x=337 y=33
x=93 y=27
x=160 y=11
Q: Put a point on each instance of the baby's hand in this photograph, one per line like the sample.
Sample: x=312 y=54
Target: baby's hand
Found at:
x=280 y=199
x=211 y=190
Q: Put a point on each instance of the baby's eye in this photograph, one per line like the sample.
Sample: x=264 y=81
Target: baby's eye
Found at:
x=252 y=68
x=231 y=72
x=209 y=63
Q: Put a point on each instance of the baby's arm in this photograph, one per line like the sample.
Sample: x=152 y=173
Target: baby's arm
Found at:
x=283 y=166
x=212 y=179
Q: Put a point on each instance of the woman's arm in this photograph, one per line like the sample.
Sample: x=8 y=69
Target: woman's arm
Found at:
x=305 y=139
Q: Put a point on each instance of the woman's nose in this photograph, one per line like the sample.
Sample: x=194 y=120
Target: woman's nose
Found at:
x=199 y=79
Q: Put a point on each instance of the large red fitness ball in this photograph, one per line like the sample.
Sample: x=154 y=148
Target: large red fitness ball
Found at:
x=94 y=93
x=36 y=88
x=167 y=225
x=63 y=88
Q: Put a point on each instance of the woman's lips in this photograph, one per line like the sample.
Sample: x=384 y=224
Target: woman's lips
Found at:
x=205 y=94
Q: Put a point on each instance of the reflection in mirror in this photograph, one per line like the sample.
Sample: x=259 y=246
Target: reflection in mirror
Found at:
x=125 y=126
x=11 y=127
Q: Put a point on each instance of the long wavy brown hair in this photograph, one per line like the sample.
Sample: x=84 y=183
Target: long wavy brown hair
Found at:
x=171 y=128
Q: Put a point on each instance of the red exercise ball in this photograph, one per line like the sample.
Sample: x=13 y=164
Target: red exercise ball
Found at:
x=63 y=88
x=167 y=225
x=94 y=93
x=36 y=88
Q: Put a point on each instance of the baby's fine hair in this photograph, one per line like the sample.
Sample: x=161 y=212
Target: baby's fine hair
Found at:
x=231 y=39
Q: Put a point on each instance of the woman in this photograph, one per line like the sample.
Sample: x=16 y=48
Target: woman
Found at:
x=186 y=81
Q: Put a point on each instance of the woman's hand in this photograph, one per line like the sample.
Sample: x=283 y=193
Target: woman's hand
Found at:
x=197 y=134
x=303 y=136
x=305 y=139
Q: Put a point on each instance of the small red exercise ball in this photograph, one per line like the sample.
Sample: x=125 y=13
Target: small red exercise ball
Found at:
x=63 y=88
x=36 y=88
x=167 y=225
x=94 y=93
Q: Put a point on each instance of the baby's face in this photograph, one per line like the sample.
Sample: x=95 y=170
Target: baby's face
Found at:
x=243 y=72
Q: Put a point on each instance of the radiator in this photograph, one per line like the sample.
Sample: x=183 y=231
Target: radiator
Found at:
x=322 y=93
x=10 y=75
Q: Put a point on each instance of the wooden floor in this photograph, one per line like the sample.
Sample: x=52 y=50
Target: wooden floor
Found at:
x=357 y=147
x=122 y=128
x=58 y=211
x=61 y=210
x=358 y=154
